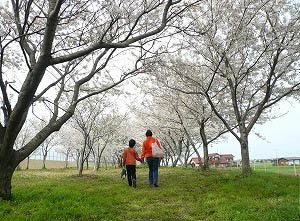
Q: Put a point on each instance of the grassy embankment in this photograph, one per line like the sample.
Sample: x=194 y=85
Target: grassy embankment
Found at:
x=184 y=194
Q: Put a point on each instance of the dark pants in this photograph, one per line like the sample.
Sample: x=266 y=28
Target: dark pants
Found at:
x=131 y=173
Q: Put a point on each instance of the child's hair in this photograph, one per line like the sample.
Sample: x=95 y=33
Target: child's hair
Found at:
x=132 y=143
x=149 y=133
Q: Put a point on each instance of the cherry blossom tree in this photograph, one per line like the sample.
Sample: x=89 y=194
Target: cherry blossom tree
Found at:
x=163 y=114
x=106 y=133
x=45 y=148
x=65 y=52
x=244 y=63
x=68 y=141
x=86 y=120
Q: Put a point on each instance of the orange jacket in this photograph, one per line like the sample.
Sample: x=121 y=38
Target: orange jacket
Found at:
x=130 y=156
x=147 y=147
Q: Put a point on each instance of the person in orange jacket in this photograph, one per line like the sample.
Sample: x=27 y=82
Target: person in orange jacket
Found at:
x=130 y=156
x=153 y=162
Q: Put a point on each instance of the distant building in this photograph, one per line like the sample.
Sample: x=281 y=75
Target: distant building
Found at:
x=283 y=161
x=196 y=162
x=215 y=160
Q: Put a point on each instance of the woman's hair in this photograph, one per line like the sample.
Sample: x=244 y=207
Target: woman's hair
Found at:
x=132 y=143
x=148 y=133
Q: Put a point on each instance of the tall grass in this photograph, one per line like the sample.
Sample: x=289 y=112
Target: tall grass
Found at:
x=183 y=194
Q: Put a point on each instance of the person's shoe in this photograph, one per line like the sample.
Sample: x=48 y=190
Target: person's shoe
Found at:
x=155 y=185
x=134 y=183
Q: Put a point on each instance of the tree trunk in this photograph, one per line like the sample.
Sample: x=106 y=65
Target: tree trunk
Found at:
x=80 y=169
x=66 y=160
x=44 y=161
x=77 y=161
x=98 y=160
x=246 y=169
x=101 y=153
x=187 y=154
x=205 y=156
x=180 y=141
x=204 y=145
x=6 y=172
x=27 y=162
x=192 y=143
x=96 y=164
x=174 y=164
x=80 y=165
x=87 y=163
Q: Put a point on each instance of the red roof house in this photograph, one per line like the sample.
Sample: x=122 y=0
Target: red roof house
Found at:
x=215 y=159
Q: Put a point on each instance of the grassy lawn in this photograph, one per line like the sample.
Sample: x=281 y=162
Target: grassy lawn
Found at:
x=184 y=194
x=287 y=170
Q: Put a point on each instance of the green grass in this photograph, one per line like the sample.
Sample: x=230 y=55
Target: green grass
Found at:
x=184 y=194
x=288 y=170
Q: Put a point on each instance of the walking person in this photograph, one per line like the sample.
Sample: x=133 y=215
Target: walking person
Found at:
x=130 y=156
x=153 y=162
